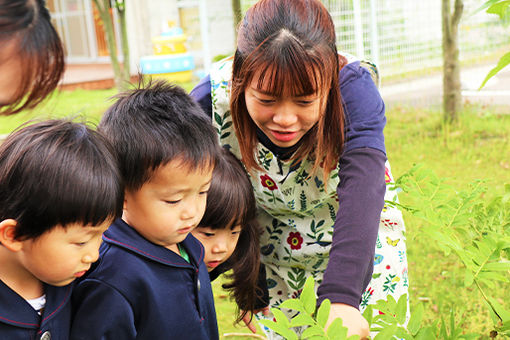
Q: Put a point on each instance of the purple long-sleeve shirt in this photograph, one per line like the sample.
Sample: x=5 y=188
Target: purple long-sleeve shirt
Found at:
x=360 y=190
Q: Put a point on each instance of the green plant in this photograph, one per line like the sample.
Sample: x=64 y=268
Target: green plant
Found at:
x=313 y=320
x=462 y=223
x=502 y=9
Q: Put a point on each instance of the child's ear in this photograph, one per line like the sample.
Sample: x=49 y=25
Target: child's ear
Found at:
x=125 y=200
x=7 y=232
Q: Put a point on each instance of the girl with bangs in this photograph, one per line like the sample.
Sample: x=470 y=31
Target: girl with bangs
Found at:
x=230 y=234
x=307 y=123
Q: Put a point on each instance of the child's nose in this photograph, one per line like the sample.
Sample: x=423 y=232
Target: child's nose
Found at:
x=220 y=246
x=91 y=256
x=189 y=211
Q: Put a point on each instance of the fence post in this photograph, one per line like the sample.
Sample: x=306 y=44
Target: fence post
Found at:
x=374 y=33
x=204 y=33
x=358 y=29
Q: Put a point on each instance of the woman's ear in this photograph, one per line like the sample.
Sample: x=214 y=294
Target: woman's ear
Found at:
x=7 y=233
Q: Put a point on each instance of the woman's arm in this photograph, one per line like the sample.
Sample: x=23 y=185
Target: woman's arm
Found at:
x=202 y=94
x=360 y=191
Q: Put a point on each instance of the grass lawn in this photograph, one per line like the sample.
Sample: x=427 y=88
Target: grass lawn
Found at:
x=477 y=148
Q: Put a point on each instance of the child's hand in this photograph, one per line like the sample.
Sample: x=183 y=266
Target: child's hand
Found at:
x=248 y=320
x=352 y=319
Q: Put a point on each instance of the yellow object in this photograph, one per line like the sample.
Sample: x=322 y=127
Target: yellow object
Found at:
x=169 y=44
x=181 y=76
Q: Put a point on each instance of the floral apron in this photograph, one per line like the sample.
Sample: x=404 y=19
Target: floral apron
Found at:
x=297 y=213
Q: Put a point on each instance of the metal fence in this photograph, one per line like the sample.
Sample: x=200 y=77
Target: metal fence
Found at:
x=405 y=36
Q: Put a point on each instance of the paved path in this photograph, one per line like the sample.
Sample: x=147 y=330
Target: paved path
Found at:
x=427 y=90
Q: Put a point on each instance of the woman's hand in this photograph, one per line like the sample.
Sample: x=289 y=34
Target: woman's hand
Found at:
x=248 y=319
x=352 y=319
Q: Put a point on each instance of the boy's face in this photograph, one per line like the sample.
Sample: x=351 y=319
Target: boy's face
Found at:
x=219 y=244
x=61 y=255
x=170 y=205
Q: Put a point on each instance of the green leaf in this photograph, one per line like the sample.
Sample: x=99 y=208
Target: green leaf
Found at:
x=278 y=328
x=368 y=314
x=468 y=278
x=336 y=330
x=497 y=266
x=294 y=304
x=499 y=8
x=387 y=333
x=323 y=313
x=353 y=337
x=487 y=277
x=416 y=317
x=280 y=317
x=401 y=311
x=312 y=332
x=302 y=319
x=425 y=334
x=500 y=310
x=402 y=333
x=486 y=5
x=307 y=296
x=503 y=62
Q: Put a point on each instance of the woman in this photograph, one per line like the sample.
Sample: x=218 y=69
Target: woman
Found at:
x=308 y=126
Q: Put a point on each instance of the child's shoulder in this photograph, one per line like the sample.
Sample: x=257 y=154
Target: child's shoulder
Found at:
x=18 y=319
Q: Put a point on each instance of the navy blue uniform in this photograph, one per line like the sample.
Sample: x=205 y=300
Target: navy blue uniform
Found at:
x=18 y=320
x=140 y=290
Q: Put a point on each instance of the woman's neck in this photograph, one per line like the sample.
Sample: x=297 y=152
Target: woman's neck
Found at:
x=17 y=277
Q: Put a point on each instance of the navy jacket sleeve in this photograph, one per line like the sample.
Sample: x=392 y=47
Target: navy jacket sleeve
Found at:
x=202 y=94
x=351 y=257
x=101 y=312
x=361 y=190
x=363 y=107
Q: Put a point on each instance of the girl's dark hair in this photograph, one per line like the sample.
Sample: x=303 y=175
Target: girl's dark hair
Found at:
x=290 y=45
x=58 y=172
x=154 y=124
x=28 y=24
x=230 y=202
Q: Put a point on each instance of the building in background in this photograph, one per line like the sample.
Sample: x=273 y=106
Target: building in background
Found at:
x=400 y=36
x=207 y=24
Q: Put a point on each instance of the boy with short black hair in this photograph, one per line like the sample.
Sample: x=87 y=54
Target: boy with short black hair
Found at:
x=150 y=281
x=60 y=188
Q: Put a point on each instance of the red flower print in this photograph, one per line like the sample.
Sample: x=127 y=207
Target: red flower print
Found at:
x=268 y=182
x=387 y=177
x=295 y=240
x=296 y=294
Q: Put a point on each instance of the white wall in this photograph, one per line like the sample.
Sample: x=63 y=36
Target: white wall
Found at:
x=145 y=19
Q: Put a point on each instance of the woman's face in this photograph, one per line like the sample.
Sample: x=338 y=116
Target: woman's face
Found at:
x=286 y=119
x=10 y=71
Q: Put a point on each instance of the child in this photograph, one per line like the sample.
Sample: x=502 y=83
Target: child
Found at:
x=308 y=125
x=230 y=233
x=150 y=281
x=60 y=189
x=27 y=37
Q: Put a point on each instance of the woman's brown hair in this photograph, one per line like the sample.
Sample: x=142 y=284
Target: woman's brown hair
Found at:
x=291 y=45
x=28 y=24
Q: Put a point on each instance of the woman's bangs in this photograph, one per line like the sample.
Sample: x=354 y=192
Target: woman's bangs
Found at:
x=284 y=74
